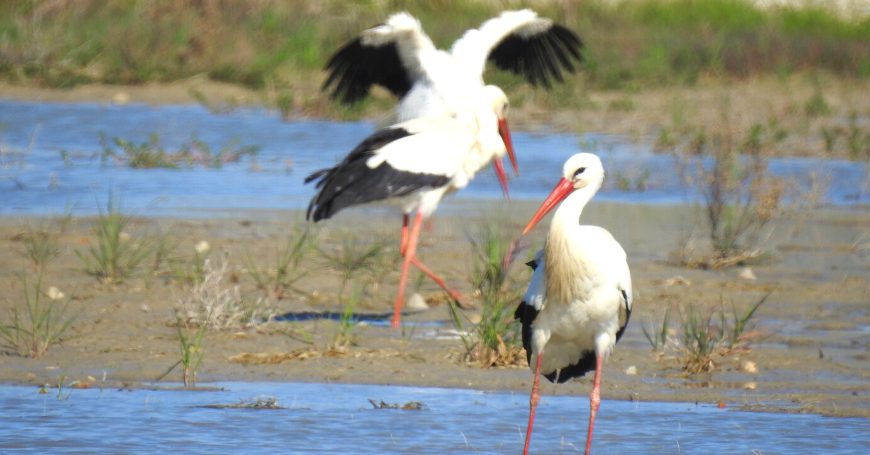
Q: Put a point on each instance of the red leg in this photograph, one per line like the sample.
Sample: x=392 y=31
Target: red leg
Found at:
x=406 y=264
x=455 y=295
x=594 y=402
x=404 y=245
x=533 y=402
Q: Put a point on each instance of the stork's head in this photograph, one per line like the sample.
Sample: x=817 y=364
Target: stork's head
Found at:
x=499 y=103
x=582 y=171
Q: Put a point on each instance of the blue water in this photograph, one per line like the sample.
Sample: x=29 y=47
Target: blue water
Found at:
x=35 y=179
x=331 y=418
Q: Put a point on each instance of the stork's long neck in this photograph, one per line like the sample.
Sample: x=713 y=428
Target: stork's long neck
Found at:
x=565 y=264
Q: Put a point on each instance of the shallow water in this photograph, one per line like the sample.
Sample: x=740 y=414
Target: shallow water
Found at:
x=36 y=179
x=332 y=418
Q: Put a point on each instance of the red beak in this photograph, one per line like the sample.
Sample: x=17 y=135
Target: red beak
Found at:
x=505 y=134
x=502 y=177
x=560 y=192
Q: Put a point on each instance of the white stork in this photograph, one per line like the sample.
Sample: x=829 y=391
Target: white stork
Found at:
x=414 y=163
x=579 y=299
x=400 y=57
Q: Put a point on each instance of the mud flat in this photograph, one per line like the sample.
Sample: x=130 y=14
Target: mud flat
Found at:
x=812 y=354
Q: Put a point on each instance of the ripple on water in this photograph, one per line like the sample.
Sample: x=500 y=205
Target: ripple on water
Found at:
x=332 y=418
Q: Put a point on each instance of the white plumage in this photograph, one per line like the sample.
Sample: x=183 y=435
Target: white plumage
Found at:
x=399 y=56
x=579 y=299
x=413 y=164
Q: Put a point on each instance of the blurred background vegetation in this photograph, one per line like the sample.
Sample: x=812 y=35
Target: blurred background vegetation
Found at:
x=281 y=46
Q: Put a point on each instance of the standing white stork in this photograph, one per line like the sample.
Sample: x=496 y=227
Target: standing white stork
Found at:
x=413 y=163
x=579 y=299
x=400 y=57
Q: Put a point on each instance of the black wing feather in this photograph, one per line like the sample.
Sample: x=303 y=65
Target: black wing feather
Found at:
x=526 y=314
x=355 y=67
x=352 y=182
x=627 y=315
x=541 y=57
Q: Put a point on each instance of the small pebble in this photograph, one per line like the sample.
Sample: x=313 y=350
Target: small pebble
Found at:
x=202 y=247
x=678 y=280
x=124 y=236
x=748 y=366
x=747 y=274
x=145 y=308
x=631 y=371
x=751 y=385
x=416 y=302
x=54 y=293
x=121 y=98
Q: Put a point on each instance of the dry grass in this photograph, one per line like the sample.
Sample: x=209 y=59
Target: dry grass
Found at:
x=216 y=305
x=728 y=168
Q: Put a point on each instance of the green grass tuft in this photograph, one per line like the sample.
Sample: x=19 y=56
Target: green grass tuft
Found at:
x=263 y=43
x=115 y=256
x=36 y=323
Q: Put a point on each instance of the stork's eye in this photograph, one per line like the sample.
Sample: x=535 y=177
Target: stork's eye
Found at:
x=579 y=171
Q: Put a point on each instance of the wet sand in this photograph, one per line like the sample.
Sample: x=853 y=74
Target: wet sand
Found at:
x=812 y=354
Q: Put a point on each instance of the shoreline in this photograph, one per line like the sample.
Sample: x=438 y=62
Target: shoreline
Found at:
x=665 y=116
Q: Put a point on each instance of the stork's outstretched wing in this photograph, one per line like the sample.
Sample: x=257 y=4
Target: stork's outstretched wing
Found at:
x=522 y=42
x=387 y=55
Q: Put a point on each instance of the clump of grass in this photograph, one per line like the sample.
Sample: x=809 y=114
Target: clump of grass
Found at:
x=494 y=339
x=657 y=334
x=705 y=336
x=817 y=105
x=366 y=261
x=276 y=281
x=191 y=340
x=36 y=323
x=41 y=242
x=347 y=324
x=740 y=197
x=163 y=247
x=40 y=247
x=151 y=154
x=214 y=305
x=857 y=139
x=191 y=344
x=362 y=263
x=116 y=255
x=637 y=181
x=354 y=255
x=701 y=337
x=854 y=137
x=211 y=305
